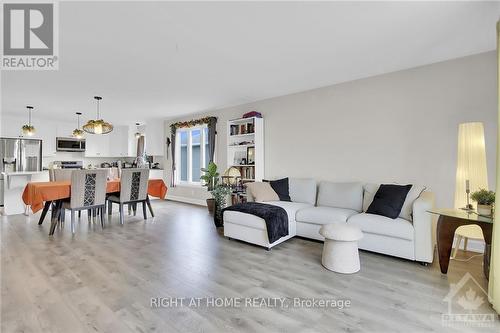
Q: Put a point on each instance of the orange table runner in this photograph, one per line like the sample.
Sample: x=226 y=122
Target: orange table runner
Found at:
x=36 y=193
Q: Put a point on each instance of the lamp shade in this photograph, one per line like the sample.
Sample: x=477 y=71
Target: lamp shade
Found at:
x=471 y=161
x=29 y=129
x=97 y=126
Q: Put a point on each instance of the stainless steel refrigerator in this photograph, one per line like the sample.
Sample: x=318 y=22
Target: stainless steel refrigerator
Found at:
x=20 y=154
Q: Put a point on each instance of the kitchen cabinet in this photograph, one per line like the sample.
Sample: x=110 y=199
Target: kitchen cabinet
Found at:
x=97 y=145
x=155 y=138
x=121 y=142
x=46 y=134
x=132 y=143
x=63 y=130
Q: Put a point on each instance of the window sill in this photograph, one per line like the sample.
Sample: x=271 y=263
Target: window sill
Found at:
x=191 y=185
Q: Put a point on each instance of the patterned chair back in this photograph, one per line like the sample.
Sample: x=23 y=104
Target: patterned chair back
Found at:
x=59 y=175
x=134 y=184
x=88 y=188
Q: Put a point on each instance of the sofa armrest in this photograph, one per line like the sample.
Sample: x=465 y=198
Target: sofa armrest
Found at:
x=422 y=223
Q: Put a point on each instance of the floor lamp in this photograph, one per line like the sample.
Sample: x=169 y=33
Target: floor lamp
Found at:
x=471 y=176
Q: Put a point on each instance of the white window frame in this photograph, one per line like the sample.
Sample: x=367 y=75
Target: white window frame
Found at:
x=189 y=130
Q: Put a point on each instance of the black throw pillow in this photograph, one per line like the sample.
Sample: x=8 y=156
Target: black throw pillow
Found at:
x=389 y=200
x=280 y=186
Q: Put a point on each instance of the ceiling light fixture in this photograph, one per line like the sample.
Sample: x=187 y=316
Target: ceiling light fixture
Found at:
x=97 y=126
x=77 y=132
x=29 y=129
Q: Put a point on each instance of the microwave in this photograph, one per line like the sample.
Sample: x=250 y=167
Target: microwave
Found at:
x=70 y=144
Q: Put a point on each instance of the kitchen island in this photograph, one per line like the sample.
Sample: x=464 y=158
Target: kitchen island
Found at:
x=13 y=187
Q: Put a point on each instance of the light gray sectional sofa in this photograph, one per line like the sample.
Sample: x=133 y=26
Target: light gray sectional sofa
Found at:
x=409 y=236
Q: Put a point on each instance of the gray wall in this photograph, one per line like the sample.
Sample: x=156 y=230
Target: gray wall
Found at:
x=399 y=127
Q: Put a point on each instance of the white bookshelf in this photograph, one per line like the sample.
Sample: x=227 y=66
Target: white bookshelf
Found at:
x=238 y=142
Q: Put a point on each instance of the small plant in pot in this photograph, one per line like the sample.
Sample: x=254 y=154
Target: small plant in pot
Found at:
x=485 y=200
x=220 y=193
x=210 y=180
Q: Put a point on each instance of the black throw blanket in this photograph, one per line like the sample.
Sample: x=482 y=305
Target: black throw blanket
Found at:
x=276 y=217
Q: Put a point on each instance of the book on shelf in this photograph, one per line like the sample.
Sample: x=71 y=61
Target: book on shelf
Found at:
x=248 y=172
x=234 y=130
x=248 y=128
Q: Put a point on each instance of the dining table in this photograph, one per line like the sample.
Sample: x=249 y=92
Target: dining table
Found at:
x=41 y=195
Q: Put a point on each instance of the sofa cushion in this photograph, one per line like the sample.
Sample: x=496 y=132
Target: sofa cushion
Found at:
x=370 y=189
x=303 y=190
x=291 y=208
x=341 y=195
x=323 y=215
x=262 y=192
x=281 y=187
x=381 y=225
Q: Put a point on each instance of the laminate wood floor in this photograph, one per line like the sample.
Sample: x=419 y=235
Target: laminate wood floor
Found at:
x=103 y=281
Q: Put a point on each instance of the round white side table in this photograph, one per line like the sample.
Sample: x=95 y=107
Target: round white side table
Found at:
x=340 y=250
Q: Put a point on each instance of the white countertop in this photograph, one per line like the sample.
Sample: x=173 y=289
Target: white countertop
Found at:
x=21 y=173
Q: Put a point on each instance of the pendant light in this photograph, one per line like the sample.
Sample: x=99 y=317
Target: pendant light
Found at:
x=138 y=134
x=29 y=129
x=77 y=132
x=97 y=126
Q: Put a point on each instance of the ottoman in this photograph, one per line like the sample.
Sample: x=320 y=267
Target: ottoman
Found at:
x=340 y=251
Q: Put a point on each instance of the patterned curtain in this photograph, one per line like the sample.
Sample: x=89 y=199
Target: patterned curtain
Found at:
x=494 y=280
x=141 y=146
x=212 y=131
x=172 y=143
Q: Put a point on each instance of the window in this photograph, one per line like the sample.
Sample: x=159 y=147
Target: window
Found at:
x=192 y=149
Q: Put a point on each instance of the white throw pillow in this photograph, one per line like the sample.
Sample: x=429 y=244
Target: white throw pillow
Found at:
x=369 y=191
x=406 y=210
x=262 y=191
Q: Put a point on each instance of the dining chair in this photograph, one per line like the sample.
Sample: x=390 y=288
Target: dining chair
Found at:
x=133 y=190
x=57 y=175
x=466 y=232
x=88 y=191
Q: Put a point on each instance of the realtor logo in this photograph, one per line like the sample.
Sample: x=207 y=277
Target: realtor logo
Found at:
x=30 y=36
x=467 y=305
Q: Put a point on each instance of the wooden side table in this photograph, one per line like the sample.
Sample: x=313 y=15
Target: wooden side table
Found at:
x=449 y=220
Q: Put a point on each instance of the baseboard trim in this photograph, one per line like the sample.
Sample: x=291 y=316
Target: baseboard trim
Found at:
x=199 y=202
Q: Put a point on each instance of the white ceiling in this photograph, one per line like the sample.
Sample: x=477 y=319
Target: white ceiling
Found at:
x=163 y=59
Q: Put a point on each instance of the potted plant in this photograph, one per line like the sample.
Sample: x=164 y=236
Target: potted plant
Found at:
x=220 y=193
x=210 y=180
x=485 y=200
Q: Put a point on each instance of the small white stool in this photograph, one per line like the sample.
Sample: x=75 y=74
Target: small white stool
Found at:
x=340 y=251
